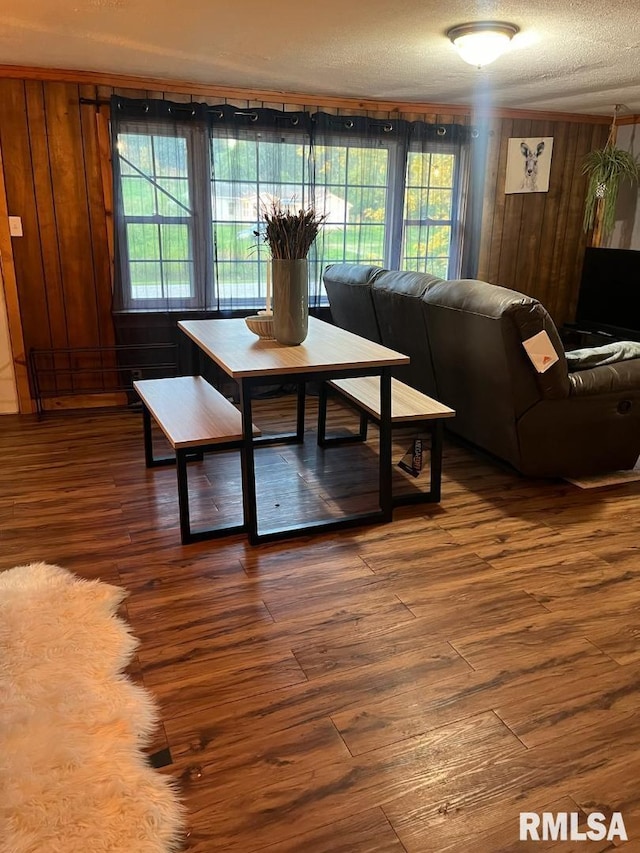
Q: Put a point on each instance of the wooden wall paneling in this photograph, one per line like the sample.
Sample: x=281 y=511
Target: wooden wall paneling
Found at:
x=445 y=118
x=530 y=247
x=106 y=173
x=97 y=159
x=269 y=105
x=490 y=178
x=21 y=201
x=567 y=275
x=104 y=93
x=56 y=306
x=515 y=210
x=99 y=225
x=133 y=93
x=9 y=280
x=73 y=217
x=567 y=158
x=549 y=227
x=599 y=136
x=178 y=97
x=48 y=236
x=494 y=228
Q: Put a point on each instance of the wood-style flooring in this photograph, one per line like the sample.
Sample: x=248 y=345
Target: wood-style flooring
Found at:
x=403 y=687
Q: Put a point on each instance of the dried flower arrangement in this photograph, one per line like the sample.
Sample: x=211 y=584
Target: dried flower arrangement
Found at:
x=289 y=235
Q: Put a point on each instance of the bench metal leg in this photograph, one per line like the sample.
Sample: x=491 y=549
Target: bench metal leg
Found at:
x=187 y=535
x=249 y=498
x=322 y=414
x=180 y=460
x=183 y=495
x=386 y=494
x=364 y=427
x=149 y=459
x=435 y=487
x=148 y=440
x=436 y=460
x=323 y=441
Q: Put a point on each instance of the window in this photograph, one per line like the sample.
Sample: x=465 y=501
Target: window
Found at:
x=351 y=188
x=159 y=226
x=190 y=193
x=428 y=212
x=248 y=175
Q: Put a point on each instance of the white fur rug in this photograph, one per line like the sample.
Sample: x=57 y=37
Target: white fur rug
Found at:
x=73 y=778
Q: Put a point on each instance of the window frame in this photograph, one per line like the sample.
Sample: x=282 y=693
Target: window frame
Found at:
x=208 y=295
x=201 y=260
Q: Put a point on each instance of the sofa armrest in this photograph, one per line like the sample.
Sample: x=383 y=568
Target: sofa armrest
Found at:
x=606 y=379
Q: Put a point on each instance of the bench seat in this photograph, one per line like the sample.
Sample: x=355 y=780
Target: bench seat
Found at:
x=408 y=405
x=195 y=419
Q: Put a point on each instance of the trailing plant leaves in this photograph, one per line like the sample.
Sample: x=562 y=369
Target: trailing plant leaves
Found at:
x=606 y=169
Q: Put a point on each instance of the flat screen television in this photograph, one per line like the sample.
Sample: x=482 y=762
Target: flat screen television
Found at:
x=609 y=299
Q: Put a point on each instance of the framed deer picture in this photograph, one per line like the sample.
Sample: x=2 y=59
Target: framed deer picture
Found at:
x=528 y=165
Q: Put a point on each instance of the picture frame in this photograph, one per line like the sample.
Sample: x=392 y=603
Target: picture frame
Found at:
x=528 y=164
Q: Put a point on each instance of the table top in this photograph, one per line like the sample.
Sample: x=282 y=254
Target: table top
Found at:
x=240 y=353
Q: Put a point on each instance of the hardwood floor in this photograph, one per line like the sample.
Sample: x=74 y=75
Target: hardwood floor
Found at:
x=405 y=687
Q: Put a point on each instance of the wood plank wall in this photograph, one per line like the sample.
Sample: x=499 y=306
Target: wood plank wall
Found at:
x=54 y=175
x=534 y=242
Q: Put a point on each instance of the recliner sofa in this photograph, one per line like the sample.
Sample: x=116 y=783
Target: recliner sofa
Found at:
x=465 y=340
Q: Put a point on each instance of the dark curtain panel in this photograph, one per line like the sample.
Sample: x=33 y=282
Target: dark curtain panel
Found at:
x=192 y=182
x=258 y=158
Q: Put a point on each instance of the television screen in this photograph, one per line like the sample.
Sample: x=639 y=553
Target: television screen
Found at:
x=609 y=299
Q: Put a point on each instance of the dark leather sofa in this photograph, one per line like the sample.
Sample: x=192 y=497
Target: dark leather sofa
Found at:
x=464 y=339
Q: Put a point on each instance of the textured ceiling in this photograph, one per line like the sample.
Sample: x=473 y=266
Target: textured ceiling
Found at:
x=573 y=56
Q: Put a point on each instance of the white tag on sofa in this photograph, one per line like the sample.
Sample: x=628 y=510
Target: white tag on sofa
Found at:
x=541 y=351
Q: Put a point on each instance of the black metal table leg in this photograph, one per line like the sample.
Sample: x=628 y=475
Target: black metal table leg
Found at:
x=302 y=388
x=364 y=427
x=183 y=496
x=148 y=440
x=322 y=414
x=437 y=431
x=249 y=499
x=386 y=496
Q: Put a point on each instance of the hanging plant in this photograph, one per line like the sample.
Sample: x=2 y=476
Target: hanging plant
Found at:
x=607 y=168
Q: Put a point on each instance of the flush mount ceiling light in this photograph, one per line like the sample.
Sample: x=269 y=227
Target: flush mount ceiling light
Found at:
x=481 y=42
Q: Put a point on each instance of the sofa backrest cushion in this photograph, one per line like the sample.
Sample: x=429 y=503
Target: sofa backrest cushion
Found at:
x=482 y=370
x=396 y=299
x=348 y=287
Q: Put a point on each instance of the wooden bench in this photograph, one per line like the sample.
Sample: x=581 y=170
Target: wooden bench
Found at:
x=407 y=406
x=196 y=419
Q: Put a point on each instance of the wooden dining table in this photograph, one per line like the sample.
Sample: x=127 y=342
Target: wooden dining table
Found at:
x=327 y=353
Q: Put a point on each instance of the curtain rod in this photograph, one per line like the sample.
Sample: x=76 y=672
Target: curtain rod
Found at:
x=384 y=123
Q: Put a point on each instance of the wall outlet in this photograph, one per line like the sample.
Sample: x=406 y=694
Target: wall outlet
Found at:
x=15 y=226
x=135 y=375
